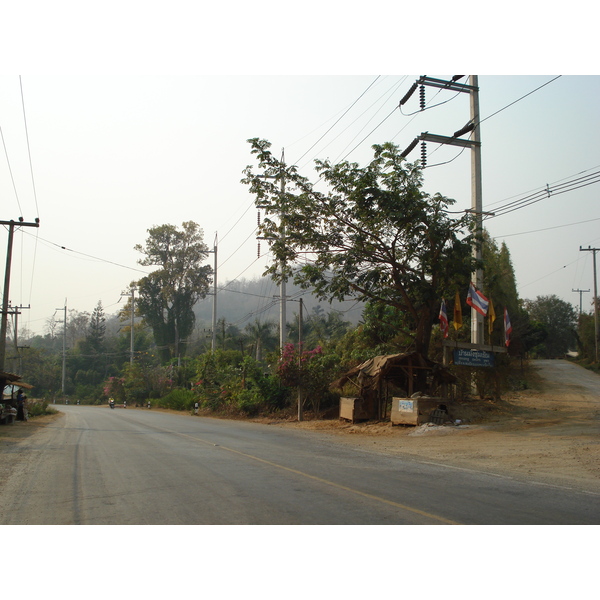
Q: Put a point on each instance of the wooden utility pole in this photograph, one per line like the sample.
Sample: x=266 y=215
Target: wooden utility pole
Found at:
x=14 y=311
x=597 y=333
x=4 y=323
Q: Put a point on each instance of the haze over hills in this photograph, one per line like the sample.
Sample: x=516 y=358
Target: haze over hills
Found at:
x=244 y=301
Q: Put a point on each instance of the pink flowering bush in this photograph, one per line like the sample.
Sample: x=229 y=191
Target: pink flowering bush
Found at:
x=312 y=370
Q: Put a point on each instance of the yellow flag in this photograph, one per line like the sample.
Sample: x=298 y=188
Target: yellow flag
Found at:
x=457 y=312
x=491 y=317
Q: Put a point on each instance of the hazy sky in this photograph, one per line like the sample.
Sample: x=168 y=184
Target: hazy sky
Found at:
x=113 y=155
x=138 y=114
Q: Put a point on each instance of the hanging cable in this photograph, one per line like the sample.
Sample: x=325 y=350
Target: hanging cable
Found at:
x=343 y=115
x=29 y=148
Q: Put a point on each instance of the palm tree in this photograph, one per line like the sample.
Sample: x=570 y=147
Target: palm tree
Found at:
x=262 y=335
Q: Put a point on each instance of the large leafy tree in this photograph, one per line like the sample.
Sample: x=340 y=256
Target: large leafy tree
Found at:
x=559 y=319
x=374 y=234
x=166 y=297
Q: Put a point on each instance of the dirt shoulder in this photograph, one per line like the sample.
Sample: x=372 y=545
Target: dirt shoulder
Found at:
x=550 y=434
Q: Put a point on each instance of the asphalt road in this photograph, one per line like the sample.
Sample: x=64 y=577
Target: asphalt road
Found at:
x=133 y=466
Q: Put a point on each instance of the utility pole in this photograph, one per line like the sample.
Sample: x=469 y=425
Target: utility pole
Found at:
x=282 y=286
x=64 y=360
x=300 y=391
x=4 y=322
x=581 y=292
x=14 y=311
x=477 y=328
x=476 y=205
x=597 y=333
x=282 y=311
x=133 y=290
x=213 y=345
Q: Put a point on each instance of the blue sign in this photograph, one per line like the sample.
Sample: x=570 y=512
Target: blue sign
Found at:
x=473 y=358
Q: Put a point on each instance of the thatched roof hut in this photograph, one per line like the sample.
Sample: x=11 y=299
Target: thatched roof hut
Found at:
x=374 y=377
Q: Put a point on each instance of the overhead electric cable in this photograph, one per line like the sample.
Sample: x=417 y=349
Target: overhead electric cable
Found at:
x=373 y=130
x=390 y=91
x=10 y=171
x=547 y=192
x=343 y=115
x=519 y=99
x=243 y=214
x=28 y=148
x=546 y=228
x=86 y=255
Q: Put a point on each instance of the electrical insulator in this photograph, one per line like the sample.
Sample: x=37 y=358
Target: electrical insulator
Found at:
x=258 y=251
x=258 y=218
x=422 y=97
x=423 y=155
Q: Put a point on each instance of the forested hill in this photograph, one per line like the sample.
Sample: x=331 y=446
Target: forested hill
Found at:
x=246 y=300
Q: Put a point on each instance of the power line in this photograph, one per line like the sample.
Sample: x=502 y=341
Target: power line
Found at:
x=341 y=117
x=87 y=255
x=547 y=228
x=390 y=91
x=519 y=99
x=10 y=171
x=28 y=148
x=492 y=204
x=546 y=192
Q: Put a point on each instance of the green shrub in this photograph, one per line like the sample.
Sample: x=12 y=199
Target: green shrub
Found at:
x=248 y=402
x=37 y=408
x=178 y=399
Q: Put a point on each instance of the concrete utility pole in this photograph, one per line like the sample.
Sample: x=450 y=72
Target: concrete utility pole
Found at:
x=282 y=290
x=282 y=286
x=64 y=360
x=581 y=292
x=133 y=290
x=213 y=345
x=594 y=250
x=4 y=323
x=477 y=328
x=300 y=391
x=476 y=205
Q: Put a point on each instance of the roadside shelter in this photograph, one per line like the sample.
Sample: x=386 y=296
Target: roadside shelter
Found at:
x=380 y=378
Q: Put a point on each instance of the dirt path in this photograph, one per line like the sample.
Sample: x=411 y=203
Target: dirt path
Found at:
x=550 y=435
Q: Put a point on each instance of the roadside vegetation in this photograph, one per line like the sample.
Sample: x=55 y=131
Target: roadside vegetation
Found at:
x=380 y=241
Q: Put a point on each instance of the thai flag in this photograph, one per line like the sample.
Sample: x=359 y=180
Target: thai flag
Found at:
x=443 y=319
x=507 y=328
x=476 y=300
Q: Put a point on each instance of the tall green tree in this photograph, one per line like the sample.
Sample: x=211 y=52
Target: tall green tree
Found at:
x=559 y=319
x=97 y=329
x=500 y=286
x=373 y=235
x=167 y=296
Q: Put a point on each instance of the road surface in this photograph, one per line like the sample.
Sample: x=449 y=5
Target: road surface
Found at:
x=132 y=466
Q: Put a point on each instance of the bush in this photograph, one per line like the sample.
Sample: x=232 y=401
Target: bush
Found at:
x=38 y=408
x=178 y=399
x=249 y=402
